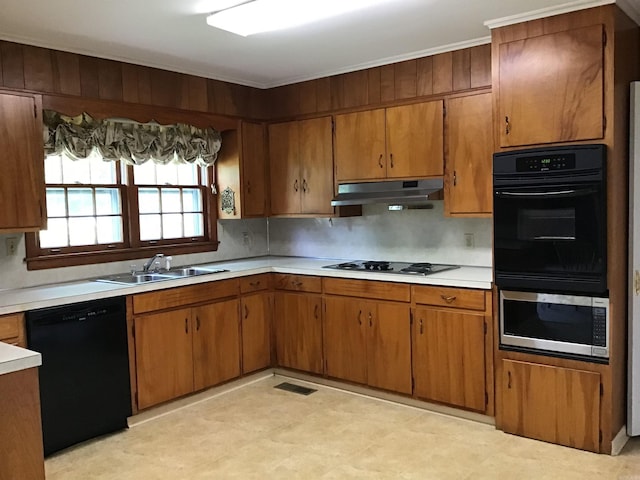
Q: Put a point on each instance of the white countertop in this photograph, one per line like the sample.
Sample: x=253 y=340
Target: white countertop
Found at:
x=13 y=359
x=32 y=298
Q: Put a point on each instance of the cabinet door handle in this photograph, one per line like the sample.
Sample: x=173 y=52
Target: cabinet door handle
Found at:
x=448 y=298
x=391 y=159
x=295 y=185
x=380 y=164
x=246 y=311
x=360 y=317
x=315 y=311
x=509 y=379
x=507 y=126
x=455 y=178
x=186 y=325
x=197 y=324
x=304 y=185
x=370 y=320
x=421 y=327
x=248 y=186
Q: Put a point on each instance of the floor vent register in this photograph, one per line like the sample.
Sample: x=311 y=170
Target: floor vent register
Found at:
x=290 y=387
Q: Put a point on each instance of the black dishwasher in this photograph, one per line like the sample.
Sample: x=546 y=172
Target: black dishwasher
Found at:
x=84 y=377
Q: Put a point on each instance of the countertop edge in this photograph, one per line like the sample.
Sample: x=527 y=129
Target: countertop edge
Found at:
x=15 y=359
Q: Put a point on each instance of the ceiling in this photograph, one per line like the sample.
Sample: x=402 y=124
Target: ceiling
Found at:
x=173 y=35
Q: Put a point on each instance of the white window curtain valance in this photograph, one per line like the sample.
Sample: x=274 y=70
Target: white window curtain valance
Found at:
x=128 y=141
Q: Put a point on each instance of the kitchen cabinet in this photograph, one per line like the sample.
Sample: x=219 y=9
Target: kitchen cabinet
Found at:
x=22 y=187
x=255 y=312
x=298 y=322
x=554 y=404
x=397 y=142
x=469 y=163
x=452 y=347
x=185 y=348
x=301 y=165
x=367 y=341
x=551 y=87
x=12 y=330
x=241 y=172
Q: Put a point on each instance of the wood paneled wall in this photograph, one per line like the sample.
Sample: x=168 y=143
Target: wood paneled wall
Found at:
x=48 y=71
x=43 y=70
x=435 y=75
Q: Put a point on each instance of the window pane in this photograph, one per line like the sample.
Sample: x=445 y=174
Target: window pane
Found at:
x=107 y=201
x=109 y=229
x=167 y=174
x=53 y=169
x=55 y=235
x=172 y=225
x=191 y=200
x=75 y=171
x=82 y=231
x=171 y=200
x=187 y=174
x=103 y=172
x=149 y=200
x=145 y=174
x=80 y=202
x=193 y=225
x=150 y=227
x=56 y=202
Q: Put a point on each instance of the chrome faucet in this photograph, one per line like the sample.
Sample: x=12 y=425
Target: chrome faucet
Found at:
x=148 y=265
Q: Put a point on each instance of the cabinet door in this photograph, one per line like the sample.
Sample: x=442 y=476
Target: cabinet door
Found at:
x=360 y=146
x=345 y=338
x=389 y=348
x=298 y=326
x=256 y=332
x=22 y=190
x=216 y=343
x=316 y=160
x=254 y=161
x=468 y=185
x=164 y=356
x=448 y=357
x=551 y=88
x=285 y=168
x=558 y=405
x=415 y=140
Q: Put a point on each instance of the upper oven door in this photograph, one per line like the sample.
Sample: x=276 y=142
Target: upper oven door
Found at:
x=551 y=236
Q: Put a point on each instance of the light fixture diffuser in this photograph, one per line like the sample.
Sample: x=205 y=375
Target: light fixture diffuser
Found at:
x=259 y=16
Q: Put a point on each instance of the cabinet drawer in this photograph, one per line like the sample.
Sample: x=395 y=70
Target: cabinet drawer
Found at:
x=10 y=327
x=254 y=283
x=298 y=283
x=178 y=297
x=450 y=297
x=398 y=292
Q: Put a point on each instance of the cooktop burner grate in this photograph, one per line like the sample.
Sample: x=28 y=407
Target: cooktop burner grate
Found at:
x=403 y=268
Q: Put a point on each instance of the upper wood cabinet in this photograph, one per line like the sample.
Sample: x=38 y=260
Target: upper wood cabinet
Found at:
x=22 y=188
x=468 y=172
x=242 y=168
x=397 y=142
x=301 y=165
x=550 y=87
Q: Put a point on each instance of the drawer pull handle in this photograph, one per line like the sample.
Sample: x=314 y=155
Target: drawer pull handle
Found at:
x=246 y=311
x=296 y=283
x=254 y=284
x=448 y=298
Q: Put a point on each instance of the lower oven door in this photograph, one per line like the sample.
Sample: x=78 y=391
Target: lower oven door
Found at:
x=561 y=324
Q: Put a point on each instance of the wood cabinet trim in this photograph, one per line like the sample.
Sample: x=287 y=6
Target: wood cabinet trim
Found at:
x=399 y=292
x=297 y=283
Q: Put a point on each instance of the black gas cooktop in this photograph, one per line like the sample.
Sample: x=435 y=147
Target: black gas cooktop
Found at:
x=402 y=268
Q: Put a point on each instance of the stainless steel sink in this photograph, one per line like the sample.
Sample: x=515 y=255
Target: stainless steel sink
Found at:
x=146 y=277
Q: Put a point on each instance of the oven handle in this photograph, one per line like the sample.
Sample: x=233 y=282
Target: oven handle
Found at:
x=552 y=193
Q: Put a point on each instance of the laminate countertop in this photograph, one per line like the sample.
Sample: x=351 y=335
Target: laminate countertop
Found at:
x=13 y=359
x=23 y=299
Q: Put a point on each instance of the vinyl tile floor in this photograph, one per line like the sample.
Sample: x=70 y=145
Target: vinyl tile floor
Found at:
x=259 y=432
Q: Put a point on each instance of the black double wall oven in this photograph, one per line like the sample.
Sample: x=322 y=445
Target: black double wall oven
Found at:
x=550 y=250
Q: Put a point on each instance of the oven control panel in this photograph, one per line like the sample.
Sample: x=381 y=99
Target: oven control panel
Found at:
x=542 y=163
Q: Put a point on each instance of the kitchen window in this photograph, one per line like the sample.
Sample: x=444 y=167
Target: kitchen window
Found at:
x=101 y=210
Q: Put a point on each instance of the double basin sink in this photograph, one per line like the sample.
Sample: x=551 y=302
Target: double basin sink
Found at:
x=137 y=278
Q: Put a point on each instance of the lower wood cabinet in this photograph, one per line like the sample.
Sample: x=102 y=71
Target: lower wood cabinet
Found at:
x=298 y=325
x=184 y=350
x=12 y=329
x=368 y=342
x=554 y=404
x=255 y=311
x=449 y=357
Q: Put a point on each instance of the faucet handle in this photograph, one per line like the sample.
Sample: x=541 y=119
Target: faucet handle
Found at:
x=133 y=267
x=167 y=262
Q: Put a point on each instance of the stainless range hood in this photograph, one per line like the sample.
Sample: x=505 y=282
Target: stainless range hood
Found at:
x=396 y=192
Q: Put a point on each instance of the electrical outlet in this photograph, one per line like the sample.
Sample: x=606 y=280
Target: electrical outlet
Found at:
x=12 y=246
x=246 y=239
x=469 y=241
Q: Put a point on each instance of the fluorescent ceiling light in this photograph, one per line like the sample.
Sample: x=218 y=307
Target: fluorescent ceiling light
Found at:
x=257 y=16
